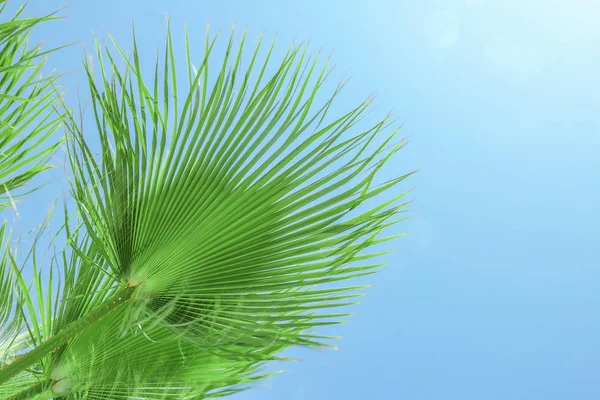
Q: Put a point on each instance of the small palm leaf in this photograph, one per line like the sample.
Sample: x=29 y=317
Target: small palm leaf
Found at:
x=27 y=118
x=9 y=316
x=230 y=215
x=13 y=342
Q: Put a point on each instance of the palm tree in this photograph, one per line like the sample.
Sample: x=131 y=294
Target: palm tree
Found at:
x=209 y=233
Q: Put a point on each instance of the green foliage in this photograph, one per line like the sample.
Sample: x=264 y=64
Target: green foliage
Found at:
x=211 y=232
x=27 y=118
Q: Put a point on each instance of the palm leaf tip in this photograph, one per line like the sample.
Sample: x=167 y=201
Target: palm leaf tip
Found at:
x=236 y=202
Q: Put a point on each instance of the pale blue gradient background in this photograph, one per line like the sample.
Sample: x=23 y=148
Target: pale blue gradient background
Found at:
x=494 y=293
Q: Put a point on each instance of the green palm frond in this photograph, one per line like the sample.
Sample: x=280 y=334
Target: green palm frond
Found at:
x=215 y=225
x=228 y=213
x=27 y=117
x=228 y=216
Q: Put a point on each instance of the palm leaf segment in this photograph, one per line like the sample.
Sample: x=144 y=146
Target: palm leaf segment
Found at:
x=99 y=361
x=27 y=118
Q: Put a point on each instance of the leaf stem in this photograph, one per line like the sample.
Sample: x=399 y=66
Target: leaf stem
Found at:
x=73 y=329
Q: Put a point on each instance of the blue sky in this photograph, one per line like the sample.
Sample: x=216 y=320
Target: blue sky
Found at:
x=493 y=294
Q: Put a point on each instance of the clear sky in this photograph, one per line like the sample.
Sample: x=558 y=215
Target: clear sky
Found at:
x=494 y=292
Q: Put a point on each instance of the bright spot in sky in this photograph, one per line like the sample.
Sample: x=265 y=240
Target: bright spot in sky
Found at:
x=442 y=29
x=507 y=57
x=475 y=3
x=514 y=38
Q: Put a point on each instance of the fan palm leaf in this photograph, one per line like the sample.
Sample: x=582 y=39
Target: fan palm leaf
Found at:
x=229 y=213
x=217 y=222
